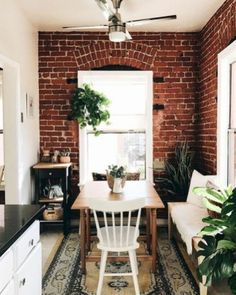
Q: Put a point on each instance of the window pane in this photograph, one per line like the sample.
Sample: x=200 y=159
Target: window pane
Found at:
x=128 y=97
x=232 y=157
x=121 y=94
x=117 y=148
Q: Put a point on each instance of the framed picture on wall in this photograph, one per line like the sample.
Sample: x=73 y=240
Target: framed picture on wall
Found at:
x=29 y=105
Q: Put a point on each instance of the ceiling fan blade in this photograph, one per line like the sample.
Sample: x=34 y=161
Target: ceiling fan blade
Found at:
x=106 y=10
x=85 y=27
x=141 y=21
x=128 y=36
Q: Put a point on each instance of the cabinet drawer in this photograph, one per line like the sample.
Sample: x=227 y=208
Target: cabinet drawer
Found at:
x=52 y=173
x=28 y=279
x=26 y=243
x=6 y=268
x=9 y=290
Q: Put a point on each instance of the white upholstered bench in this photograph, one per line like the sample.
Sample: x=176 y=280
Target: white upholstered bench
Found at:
x=185 y=220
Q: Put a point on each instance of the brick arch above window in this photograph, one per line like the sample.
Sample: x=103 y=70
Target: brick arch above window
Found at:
x=100 y=54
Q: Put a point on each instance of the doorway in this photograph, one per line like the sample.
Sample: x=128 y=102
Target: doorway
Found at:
x=2 y=186
x=11 y=119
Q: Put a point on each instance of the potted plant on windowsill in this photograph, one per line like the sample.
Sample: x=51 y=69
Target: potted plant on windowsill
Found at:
x=89 y=107
x=116 y=177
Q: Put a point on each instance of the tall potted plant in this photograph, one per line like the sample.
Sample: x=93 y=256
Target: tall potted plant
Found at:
x=178 y=171
x=89 y=107
x=218 y=244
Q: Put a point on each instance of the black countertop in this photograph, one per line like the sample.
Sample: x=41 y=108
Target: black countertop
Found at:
x=14 y=220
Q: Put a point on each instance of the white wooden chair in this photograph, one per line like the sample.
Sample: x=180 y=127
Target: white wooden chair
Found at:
x=116 y=234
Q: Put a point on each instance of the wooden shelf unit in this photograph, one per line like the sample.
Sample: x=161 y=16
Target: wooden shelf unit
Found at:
x=46 y=200
x=55 y=174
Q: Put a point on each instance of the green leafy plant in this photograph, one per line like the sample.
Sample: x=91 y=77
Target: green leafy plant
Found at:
x=116 y=171
x=218 y=243
x=178 y=171
x=213 y=198
x=89 y=107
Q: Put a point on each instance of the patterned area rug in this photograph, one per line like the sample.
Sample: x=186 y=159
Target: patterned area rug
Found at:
x=172 y=276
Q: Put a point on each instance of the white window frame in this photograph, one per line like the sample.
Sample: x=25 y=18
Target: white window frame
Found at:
x=148 y=75
x=225 y=59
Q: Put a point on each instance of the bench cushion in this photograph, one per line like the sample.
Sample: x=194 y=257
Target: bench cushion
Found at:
x=198 y=179
x=188 y=220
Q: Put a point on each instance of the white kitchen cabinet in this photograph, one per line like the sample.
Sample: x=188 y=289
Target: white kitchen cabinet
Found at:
x=9 y=289
x=28 y=277
x=21 y=265
x=26 y=243
x=6 y=268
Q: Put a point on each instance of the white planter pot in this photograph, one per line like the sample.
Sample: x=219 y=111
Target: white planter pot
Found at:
x=117 y=187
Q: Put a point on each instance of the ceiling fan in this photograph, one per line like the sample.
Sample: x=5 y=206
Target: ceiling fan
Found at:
x=116 y=27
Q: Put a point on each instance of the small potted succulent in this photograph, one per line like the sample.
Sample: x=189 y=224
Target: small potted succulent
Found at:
x=116 y=177
x=65 y=155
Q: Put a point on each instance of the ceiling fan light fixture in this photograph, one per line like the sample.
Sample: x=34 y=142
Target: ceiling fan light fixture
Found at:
x=117 y=32
x=117 y=28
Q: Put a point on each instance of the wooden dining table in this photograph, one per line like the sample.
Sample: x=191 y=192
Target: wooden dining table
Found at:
x=131 y=190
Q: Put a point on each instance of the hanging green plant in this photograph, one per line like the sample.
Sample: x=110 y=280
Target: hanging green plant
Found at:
x=89 y=107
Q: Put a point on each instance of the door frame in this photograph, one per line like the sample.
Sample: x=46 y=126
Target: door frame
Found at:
x=11 y=120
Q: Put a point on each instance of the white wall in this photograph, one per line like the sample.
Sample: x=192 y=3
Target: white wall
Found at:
x=19 y=60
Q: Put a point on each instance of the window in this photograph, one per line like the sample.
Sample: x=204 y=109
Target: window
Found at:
x=226 y=120
x=127 y=140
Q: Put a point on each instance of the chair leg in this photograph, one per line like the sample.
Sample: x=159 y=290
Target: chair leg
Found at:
x=133 y=264
x=133 y=252
x=102 y=271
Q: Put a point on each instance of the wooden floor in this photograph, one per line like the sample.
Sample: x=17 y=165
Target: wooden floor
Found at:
x=51 y=238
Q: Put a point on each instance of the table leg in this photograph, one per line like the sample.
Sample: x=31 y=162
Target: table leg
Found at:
x=154 y=238
x=82 y=240
x=148 y=230
x=88 y=244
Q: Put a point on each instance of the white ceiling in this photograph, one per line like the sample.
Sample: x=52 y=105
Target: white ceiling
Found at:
x=192 y=15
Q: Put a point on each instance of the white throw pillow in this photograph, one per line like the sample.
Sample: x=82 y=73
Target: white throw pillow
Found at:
x=198 y=179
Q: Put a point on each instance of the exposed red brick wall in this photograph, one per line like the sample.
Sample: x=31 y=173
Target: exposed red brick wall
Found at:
x=171 y=56
x=215 y=36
